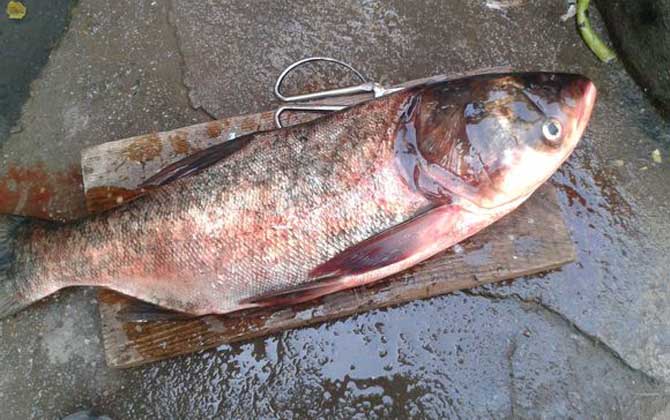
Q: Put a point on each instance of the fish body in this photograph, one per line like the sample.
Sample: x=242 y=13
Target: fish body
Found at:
x=301 y=212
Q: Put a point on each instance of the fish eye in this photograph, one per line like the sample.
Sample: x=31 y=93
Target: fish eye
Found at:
x=552 y=130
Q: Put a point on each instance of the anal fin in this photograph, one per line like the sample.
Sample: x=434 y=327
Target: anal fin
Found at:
x=293 y=295
x=140 y=311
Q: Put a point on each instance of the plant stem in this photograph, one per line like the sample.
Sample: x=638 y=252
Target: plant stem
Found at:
x=602 y=51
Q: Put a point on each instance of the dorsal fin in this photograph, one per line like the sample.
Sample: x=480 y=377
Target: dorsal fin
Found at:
x=196 y=162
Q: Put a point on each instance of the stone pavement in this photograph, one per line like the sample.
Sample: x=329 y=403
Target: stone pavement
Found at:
x=590 y=340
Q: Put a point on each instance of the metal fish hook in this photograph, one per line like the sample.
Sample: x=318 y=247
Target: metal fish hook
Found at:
x=364 y=87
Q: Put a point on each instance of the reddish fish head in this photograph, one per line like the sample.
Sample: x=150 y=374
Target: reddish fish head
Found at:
x=491 y=139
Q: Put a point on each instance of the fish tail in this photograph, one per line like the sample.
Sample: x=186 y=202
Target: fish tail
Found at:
x=9 y=301
x=12 y=293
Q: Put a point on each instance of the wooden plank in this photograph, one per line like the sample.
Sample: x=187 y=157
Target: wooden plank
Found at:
x=532 y=239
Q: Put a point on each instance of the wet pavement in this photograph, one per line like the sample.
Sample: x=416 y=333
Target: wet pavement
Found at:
x=590 y=340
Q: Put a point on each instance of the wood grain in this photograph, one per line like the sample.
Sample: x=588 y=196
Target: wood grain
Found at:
x=532 y=239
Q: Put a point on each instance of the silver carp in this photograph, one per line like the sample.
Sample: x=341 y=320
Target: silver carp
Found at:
x=286 y=216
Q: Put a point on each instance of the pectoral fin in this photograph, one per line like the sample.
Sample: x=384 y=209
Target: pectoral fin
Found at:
x=381 y=255
x=393 y=246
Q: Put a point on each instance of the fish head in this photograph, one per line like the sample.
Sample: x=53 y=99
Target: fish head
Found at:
x=493 y=139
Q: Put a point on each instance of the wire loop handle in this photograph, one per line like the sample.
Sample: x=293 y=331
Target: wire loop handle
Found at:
x=364 y=87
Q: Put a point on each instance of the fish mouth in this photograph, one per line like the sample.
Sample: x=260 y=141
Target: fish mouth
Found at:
x=583 y=94
x=585 y=106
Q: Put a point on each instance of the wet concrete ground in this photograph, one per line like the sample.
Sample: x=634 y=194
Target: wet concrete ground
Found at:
x=591 y=340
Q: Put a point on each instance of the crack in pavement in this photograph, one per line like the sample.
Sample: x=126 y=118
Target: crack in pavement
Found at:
x=512 y=388
x=172 y=24
x=596 y=341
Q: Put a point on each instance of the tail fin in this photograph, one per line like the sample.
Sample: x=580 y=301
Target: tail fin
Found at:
x=10 y=302
x=11 y=298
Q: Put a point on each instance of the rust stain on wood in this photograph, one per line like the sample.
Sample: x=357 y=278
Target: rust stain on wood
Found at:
x=250 y=124
x=37 y=192
x=225 y=124
x=99 y=199
x=23 y=187
x=179 y=142
x=214 y=129
x=144 y=149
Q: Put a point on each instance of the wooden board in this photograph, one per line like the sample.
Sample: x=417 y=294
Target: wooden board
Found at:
x=532 y=239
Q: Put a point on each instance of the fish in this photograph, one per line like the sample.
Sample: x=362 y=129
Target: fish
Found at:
x=290 y=215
